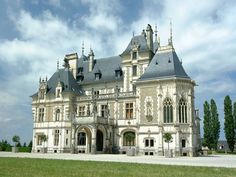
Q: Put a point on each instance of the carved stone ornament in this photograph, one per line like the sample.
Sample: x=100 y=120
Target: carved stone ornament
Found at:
x=149 y=118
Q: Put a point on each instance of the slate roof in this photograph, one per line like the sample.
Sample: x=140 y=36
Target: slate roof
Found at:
x=164 y=65
x=137 y=40
x=106 y=66
x=65 y=77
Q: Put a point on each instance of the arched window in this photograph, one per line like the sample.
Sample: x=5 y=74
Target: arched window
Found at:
x=129 y=139
x=182 y=111
x=57 y=117
x=81 y=139
x=168 y=111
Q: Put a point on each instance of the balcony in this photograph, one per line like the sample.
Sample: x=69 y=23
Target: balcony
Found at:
x=86 y=120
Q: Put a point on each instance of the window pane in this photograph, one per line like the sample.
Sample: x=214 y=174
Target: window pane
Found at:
x=151 y=143
x=146 y=142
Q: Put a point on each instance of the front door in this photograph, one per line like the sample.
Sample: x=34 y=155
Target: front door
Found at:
x=99 y=140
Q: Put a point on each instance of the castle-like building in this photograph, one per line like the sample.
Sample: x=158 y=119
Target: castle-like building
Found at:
x=109 y=105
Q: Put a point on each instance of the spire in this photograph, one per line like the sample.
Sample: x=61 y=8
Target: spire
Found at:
x=57 y=64
x=82 y=47
x=155 y=33
x=170 y=39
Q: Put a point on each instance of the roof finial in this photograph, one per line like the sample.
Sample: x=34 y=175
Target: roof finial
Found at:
x=155 y=33
x=57 y=64
x=170 y=40
x=82 y=47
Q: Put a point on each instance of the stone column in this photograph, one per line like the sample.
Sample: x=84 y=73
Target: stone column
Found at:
x=177 y=146
x=161 y=145
x=94 y=138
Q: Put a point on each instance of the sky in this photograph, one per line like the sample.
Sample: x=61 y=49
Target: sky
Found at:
x=35 y=34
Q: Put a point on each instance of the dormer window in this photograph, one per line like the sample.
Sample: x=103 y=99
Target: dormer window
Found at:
x=80 y=69
x=118 y=72
x=58 y=93
x=41 y=94
x=134 y=55
x=98 y=74
x=80 y=77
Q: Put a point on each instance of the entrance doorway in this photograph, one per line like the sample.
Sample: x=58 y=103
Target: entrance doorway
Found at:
x=99 y=140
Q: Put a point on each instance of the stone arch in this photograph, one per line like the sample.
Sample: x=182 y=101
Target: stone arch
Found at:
x=83 y=132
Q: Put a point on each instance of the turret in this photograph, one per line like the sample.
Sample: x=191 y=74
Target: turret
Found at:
x=149 y=37
x=91 y=60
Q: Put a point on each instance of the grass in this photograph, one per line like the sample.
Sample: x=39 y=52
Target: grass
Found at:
x=42 y=168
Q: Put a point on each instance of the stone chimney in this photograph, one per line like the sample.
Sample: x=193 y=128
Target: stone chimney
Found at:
x=149 y=37
x=91 y=60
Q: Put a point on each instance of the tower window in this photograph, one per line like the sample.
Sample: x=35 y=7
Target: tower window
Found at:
x=134 y=55
x=182 y=111
x=135 y=70
x=56 y=138
x=41 y=115
x=168 y=111
x=129 y=110
x=57 y=115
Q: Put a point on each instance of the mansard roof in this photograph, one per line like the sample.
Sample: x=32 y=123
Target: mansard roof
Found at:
x=67 y=81
x=106 y=66
x=164 y=64
x=64 y=76
x=139 y=40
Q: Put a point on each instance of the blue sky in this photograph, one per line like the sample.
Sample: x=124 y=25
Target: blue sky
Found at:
x=35 y=34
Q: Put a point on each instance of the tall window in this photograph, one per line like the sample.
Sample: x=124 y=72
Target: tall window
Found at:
x=39 y=140
x=183 y=143
x=149 y=142
x=129 y=139
x=81 y=139
x=88 y=110
x=103 y=110
x=82 y=111
x=134 y=56
x=182 y=111
x=134 y=70
x=41 y=115
x=56 y=138
x=129 y=110
x=168 y=111
x=57 y=117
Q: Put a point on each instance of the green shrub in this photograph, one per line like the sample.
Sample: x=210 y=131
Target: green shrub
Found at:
x=24 y=149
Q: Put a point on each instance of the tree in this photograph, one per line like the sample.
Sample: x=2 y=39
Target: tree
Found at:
x=16 y=139
x=234 y=115
x=215 y=127
x=30 y=144
x=207 y=122
x=44 y=139
x=168 y=139
x=229 y=123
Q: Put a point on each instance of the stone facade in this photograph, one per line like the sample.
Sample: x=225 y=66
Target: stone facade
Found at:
x=110 y=105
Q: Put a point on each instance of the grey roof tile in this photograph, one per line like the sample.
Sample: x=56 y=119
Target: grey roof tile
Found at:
x=106 y=66
x=137 y=40
x=164 y=65
x=67 y=80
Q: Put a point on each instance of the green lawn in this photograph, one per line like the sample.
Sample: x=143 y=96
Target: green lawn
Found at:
x=24 y=167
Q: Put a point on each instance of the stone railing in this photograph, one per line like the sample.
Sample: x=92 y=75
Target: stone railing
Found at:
x=107 y=96
x=85 y=120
